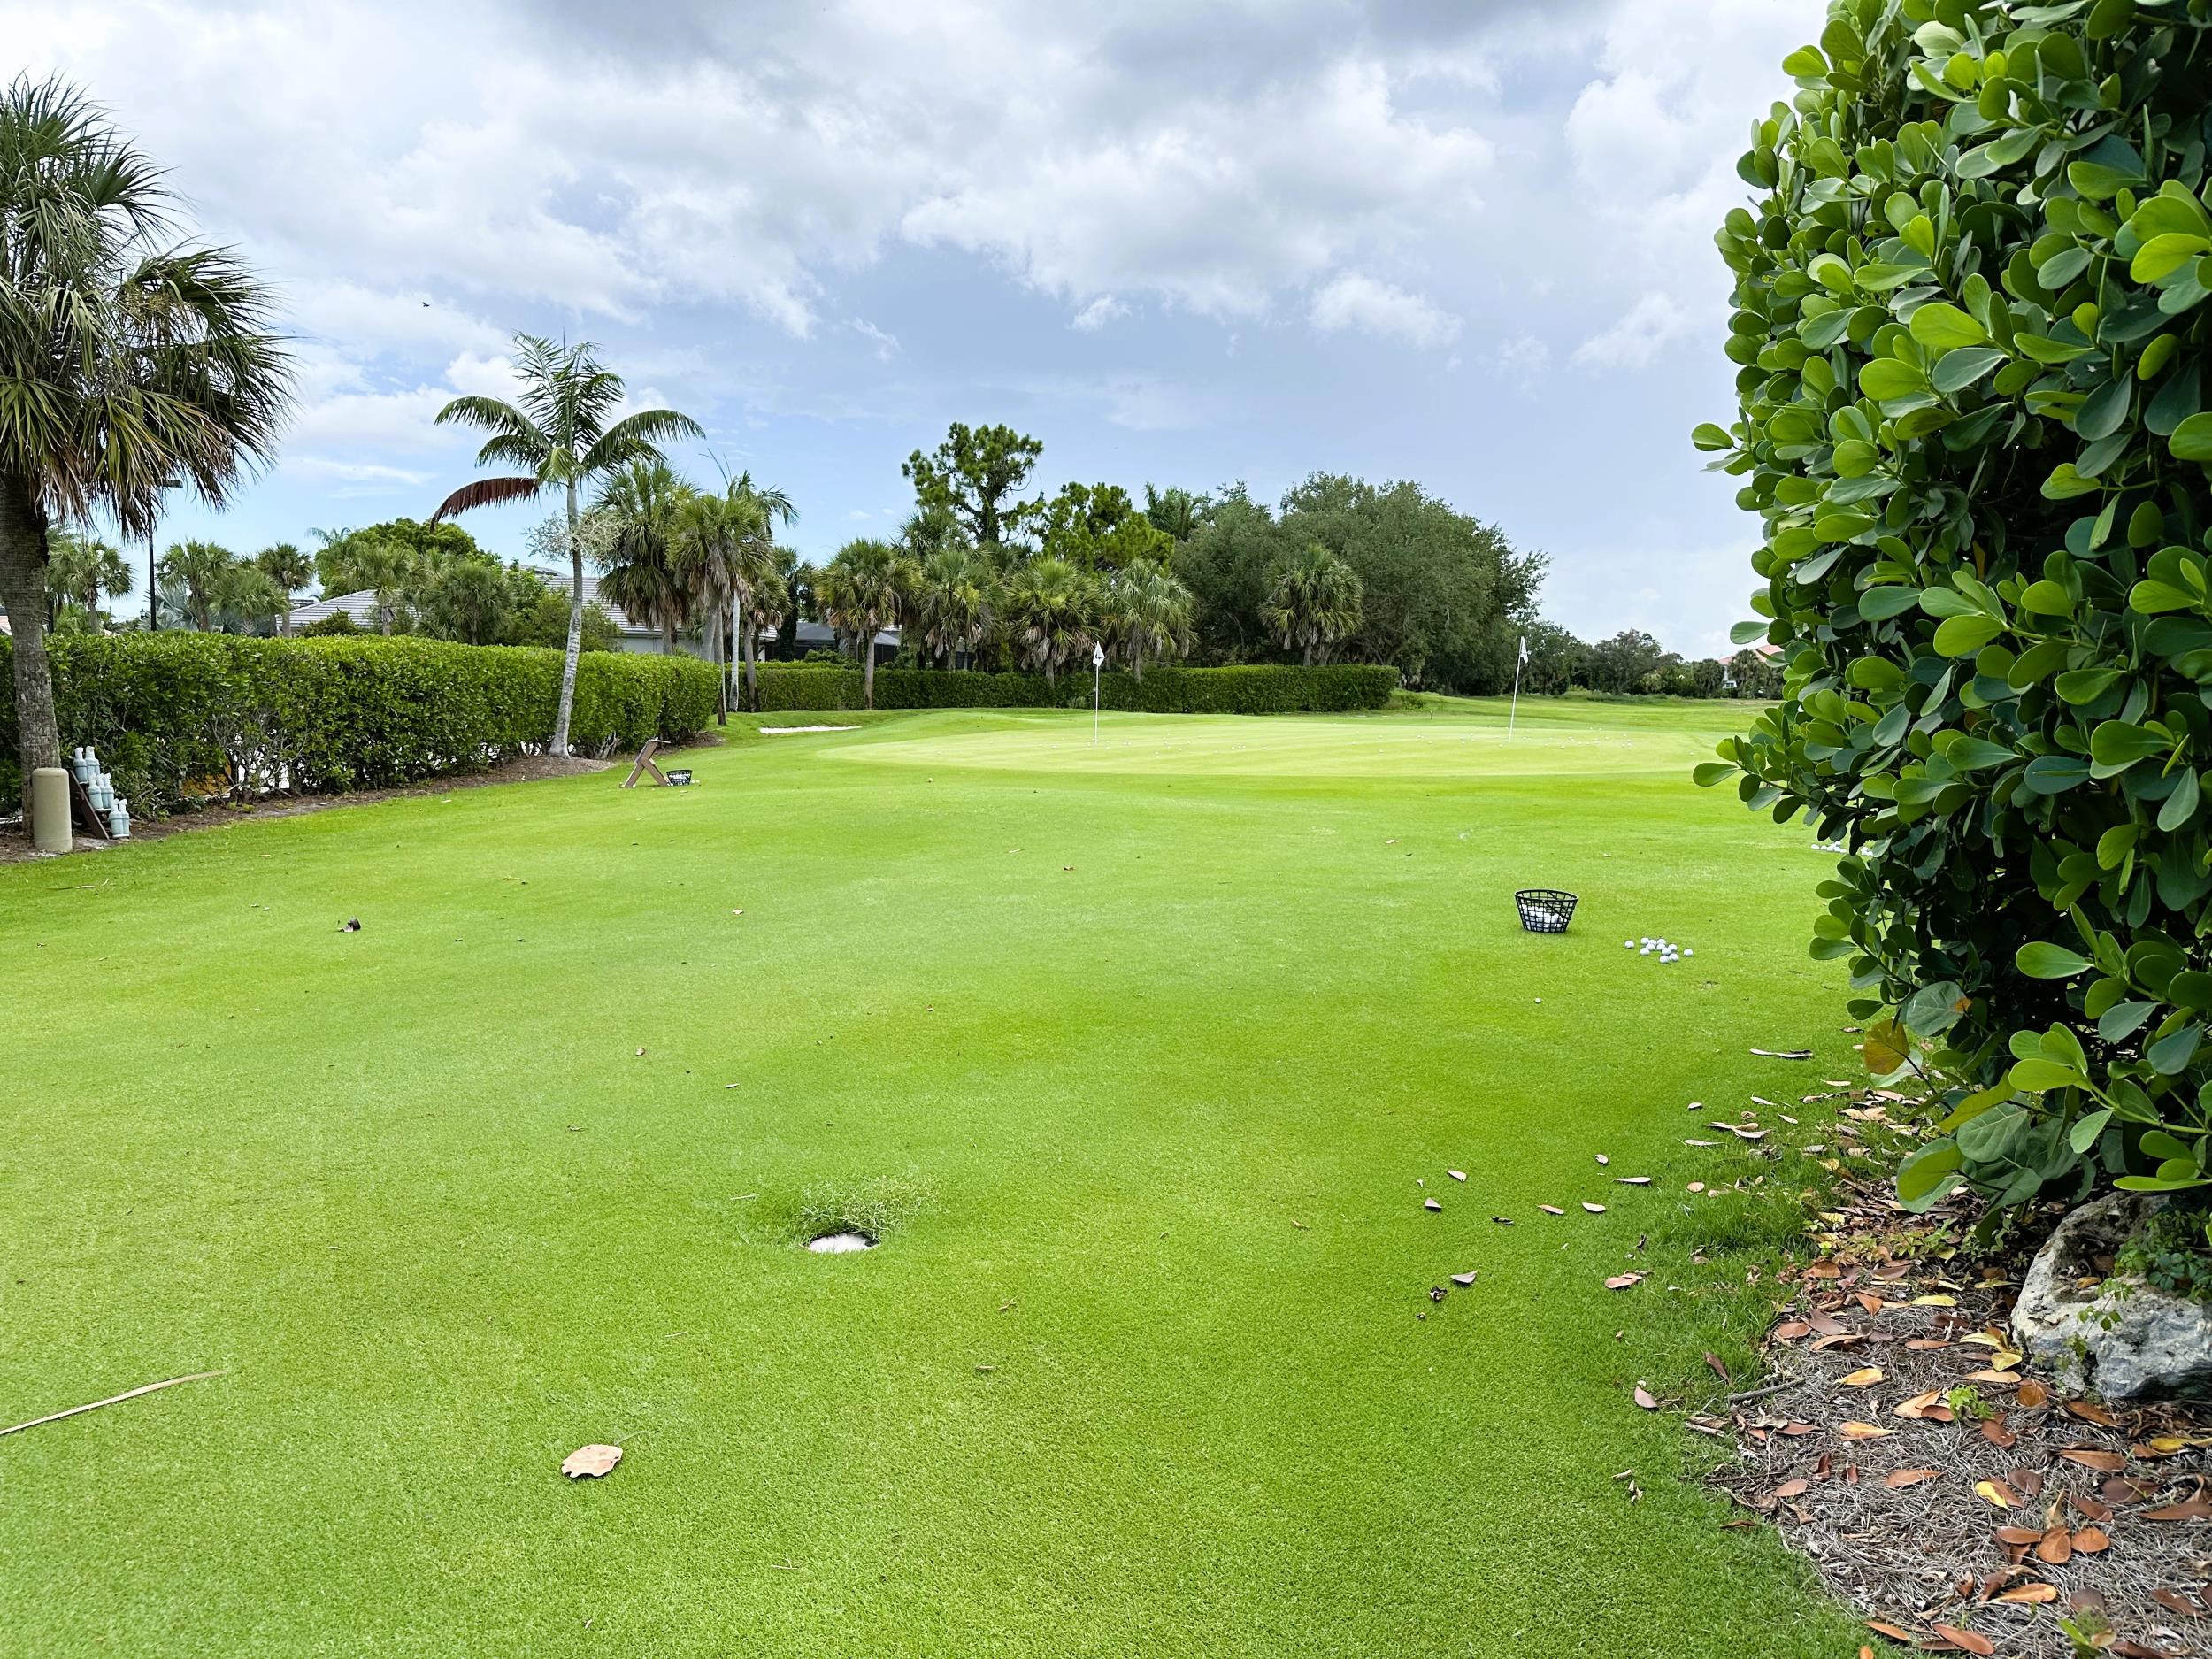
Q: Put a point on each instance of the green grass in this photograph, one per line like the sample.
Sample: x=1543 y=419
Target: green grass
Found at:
x=1085 y=1030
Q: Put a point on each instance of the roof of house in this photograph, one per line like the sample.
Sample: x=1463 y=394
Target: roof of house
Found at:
x=361 y=606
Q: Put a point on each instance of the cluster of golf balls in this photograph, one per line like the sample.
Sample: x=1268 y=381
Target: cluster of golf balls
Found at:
x=1659 y=947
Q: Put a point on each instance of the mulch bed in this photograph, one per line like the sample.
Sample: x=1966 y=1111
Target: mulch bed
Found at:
x=15 y=844
x=1964 y=1522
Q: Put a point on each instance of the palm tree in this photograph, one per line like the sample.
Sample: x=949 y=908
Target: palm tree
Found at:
x=1147 y=609
x=1175 y=511
x=710 y=559
x=559 y=428
x=646 y=499
x=126 y=362
x=861 y=593
x=469 y=600
x=758 y=569
x=196 y=570
x=1315 y=600
x=1052 y=608
x=243 y=596
x=80 y=569
x=389 y=573
x=291 y=569
x=956 y=601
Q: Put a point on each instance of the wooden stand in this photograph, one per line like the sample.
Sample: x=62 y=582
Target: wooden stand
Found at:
x=645 y=764
x=88 y=818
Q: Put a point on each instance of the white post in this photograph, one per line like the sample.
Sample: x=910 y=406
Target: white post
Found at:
x=1514 y=712
x=1098 y=664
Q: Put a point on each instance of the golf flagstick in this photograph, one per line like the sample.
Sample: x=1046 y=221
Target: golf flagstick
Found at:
x=1514 y=713
x=1098 y=663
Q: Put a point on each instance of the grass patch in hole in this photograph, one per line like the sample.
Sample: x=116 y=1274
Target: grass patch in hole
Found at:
x=873 y=1208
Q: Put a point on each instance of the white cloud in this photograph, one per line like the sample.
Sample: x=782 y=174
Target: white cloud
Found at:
x=1357 y=301
x=1636 y=339
x=1103 y=310
x=1523 y=359
x=887 y=346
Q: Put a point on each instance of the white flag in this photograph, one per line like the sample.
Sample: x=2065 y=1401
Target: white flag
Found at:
x=1524 y=647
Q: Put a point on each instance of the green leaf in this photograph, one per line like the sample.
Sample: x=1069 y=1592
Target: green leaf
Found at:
x=1972 y=754
x=1963 y=636
x=2086 y=1129
x=1926 y=1175
x=1887 y=378
x=1944 y=327
x=2040 y=960
x=1956 y=370
x=1712 y=771
x=2085 y=685
x=2192 y=439
x=1805 y=64
x=1708 y=436
x=2046 y=599
x=2054 y=774
x=2161 y=256
x=2040 y=1076
x=2179 y=807
x=2152 y=599
x=2172 y=1053
x=1745 y=633
x=1879 y=605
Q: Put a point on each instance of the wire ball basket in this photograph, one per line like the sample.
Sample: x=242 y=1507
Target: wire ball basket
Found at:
x=1545 y=909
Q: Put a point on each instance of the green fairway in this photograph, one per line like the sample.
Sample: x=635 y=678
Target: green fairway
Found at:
x=1140 y=1050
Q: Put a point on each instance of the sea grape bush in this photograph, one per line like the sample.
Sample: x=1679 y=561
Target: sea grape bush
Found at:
x=1970 y=321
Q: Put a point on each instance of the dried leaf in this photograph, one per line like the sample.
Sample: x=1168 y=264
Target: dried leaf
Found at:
x=1899 y=1478
x=1622 y=1281
x=1882 y=1627
x=1998 y=1435
x=1551 y=1209
x=1863 y=1379
x=1595 y=1209
x=1462 y=1280
x=2175 y=1601
x=1967 y=1640
x=1797 y=1488
x=2056 y=1547
x=2089 y=1411
x=1431 y=1204
x=1791 y=1332
x=2091 y=1540
x=2032 y=1394
x=2090 y=1458
x=2194 y=1510
x=2035 y=1595
x=1457 y=1175
x=1632 y=1180
x=590 y=1460
x=1643 y=1398
x=1863 y=1432
x=2018 y=1537
x=1998 y=1493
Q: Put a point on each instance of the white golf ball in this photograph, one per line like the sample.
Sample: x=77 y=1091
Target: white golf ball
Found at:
x=1630 y=943
x=1687 y=951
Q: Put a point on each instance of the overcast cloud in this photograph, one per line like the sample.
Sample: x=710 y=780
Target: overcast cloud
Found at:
x=1462 y=242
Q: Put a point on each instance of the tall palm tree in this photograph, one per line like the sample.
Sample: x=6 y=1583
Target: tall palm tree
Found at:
x=1315 y=602
x=290 y=569
x=956 y=601
x=758 y=571
x=561 y=429
x=861 y=594
x=1052 y=608
x=243 y=597
x=196 y=570
x=389 y=573
x=1146 y=609
x=637 y=570
x=709 y=553
x=80 y=569
x=128 y=363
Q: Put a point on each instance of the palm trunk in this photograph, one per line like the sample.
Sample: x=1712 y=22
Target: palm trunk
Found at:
x=1309 y=654
x=718 y=654
x=575 y=629
x=868 y=669
x=750 y=631
x=23 y=592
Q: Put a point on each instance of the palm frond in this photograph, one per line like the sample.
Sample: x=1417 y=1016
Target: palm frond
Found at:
x=486 y=492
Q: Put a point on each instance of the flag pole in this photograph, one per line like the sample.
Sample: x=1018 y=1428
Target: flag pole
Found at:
x=1514 y=713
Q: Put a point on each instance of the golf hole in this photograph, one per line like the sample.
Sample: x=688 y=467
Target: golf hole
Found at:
x=839 y=1243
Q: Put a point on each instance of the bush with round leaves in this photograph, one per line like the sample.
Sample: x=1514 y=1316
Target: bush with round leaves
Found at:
x=1971 y=327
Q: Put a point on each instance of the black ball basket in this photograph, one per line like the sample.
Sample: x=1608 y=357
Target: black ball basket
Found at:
x=1545 y=909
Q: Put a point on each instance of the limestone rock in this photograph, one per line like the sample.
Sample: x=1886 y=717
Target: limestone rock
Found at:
x=2119 y=1338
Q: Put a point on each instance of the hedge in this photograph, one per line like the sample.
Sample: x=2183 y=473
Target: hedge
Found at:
x=176 y=715
x=1334 y=689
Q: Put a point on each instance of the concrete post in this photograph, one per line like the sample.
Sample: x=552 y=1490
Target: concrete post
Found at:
x=50 y=810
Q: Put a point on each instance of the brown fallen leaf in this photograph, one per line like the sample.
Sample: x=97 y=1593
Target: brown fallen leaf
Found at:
x=594 y=1460
x=2056 y=1547
x=1622 y=1281
x=1997 y=1492
x=1967 y=1640
x=2089 y=1411
x=1595 y=1209
x=2035 y=1594
x=1719 y=1370
x=2194 y=1510
x=2033 y=1394
x=1998 y=1435
x=2091 y=1540
x=1913 y=1409
x=2018 y=1537
x=1863 y=1432
x=1899 y=1478
x=1797 y=1488
x=1551 y=1209
x=1644 y=1400
x=2090 y=1458
x=1792 y=1331
x=1865 y=1378
x=1632 y=1180
x=2175 y=1601
x=1882 y=1627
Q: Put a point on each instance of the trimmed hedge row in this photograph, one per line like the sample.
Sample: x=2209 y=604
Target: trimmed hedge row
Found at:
x=173 y=714
x=1338 y=688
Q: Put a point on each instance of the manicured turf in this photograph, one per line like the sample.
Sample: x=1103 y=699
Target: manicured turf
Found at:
x=1140 y=1050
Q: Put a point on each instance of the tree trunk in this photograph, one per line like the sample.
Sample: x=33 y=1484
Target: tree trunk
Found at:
x=1308 y=653
x=868 y=668
x=751 y=642
x=575 y=629
x=23 y=591
x=718 y=654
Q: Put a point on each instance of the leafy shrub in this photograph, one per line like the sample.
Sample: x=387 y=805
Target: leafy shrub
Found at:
x=175 y=714
x=2171 y=1253
x=1970 y=325
x=1338 y=688
x=338 y=623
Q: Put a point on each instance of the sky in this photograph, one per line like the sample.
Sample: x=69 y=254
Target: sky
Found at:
x=1467 y=242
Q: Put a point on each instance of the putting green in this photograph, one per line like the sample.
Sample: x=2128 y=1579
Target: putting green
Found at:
x=1144 y=1059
